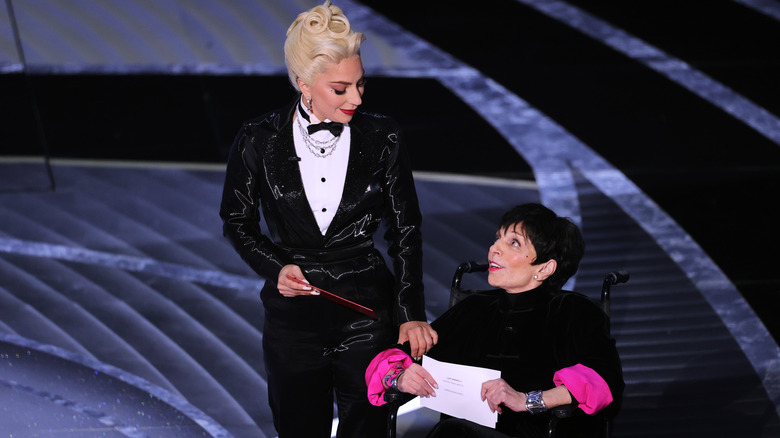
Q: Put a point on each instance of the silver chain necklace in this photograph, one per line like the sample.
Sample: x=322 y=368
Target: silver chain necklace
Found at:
x=318 y=148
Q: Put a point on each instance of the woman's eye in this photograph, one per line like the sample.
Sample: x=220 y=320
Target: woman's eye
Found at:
x=339 y=92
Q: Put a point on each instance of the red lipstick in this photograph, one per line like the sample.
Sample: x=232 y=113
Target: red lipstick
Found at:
x=347 y=112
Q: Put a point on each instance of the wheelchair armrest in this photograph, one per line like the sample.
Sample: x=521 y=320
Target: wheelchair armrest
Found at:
x=564 y=411
x=393 y=396
x=556 y=414
x=395 y=399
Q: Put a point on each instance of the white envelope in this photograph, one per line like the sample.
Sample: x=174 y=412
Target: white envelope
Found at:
x=459 y=391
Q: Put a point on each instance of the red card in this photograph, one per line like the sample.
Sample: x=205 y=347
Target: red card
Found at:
x=337 y=299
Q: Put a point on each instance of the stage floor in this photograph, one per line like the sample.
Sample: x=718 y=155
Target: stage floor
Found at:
x=120 y=300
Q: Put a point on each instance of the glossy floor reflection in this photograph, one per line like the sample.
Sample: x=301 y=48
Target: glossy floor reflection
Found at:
x=48 y=391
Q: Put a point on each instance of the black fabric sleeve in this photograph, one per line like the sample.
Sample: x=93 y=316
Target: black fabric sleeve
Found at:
x=240 y=210
x=404 y=221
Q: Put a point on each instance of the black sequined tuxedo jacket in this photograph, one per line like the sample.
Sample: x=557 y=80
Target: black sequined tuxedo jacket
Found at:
x=263 y=176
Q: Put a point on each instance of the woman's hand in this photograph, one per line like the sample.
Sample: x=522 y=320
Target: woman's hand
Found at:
x=290 y=288
x=498 y=392
x=421 y=336
x=418 y=381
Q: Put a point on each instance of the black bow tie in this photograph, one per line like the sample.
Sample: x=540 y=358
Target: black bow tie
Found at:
x=334 y=128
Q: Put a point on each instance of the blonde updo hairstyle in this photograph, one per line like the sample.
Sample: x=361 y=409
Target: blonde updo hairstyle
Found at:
x=317 y=38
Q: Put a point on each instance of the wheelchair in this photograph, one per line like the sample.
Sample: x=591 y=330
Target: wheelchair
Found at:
x=396 y=399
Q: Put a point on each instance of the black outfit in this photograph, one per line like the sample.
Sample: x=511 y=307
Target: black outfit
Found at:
x=529 y=336
x=312 y=345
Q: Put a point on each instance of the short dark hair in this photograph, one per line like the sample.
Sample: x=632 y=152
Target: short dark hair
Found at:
x=552 y=236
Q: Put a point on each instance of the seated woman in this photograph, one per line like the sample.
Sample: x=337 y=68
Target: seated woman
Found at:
x=552 y=347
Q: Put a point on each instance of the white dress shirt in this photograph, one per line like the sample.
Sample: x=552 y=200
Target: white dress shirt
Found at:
x=323 y=177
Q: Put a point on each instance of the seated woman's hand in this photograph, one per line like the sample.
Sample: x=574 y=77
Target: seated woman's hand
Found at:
x=418 y=381
x=421 y=336
x=498 y=392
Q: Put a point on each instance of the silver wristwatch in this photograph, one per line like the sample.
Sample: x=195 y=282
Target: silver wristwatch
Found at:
x=534 y=403
x=394 y=380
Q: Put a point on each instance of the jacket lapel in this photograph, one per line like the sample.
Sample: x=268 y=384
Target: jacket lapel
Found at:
x=283 y=172
x=357 y=181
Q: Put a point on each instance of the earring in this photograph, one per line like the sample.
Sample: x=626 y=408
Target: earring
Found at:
x=308 y=103
x=536 y=277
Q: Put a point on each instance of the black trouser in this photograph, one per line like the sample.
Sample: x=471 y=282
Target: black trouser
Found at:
x=314 y=348
x=305 y=368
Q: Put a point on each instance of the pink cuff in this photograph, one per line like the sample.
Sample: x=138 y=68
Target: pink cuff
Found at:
x=377 y=370
x=590 y=390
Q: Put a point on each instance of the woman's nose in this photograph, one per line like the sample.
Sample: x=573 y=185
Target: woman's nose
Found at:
x=355 y=97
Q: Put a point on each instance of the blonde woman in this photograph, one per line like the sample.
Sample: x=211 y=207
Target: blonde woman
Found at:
x=325 y=175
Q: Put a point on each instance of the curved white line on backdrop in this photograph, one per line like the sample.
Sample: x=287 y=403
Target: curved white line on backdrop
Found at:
x=131 y=263
x=770 y=8
x=675 y=69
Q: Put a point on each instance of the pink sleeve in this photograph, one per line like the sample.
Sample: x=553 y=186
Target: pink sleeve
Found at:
x=590 y=390
x=377 y=370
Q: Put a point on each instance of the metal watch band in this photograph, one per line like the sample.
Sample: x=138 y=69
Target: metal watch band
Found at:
x=394 y=380
x=388 y=379
x=534 y=403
